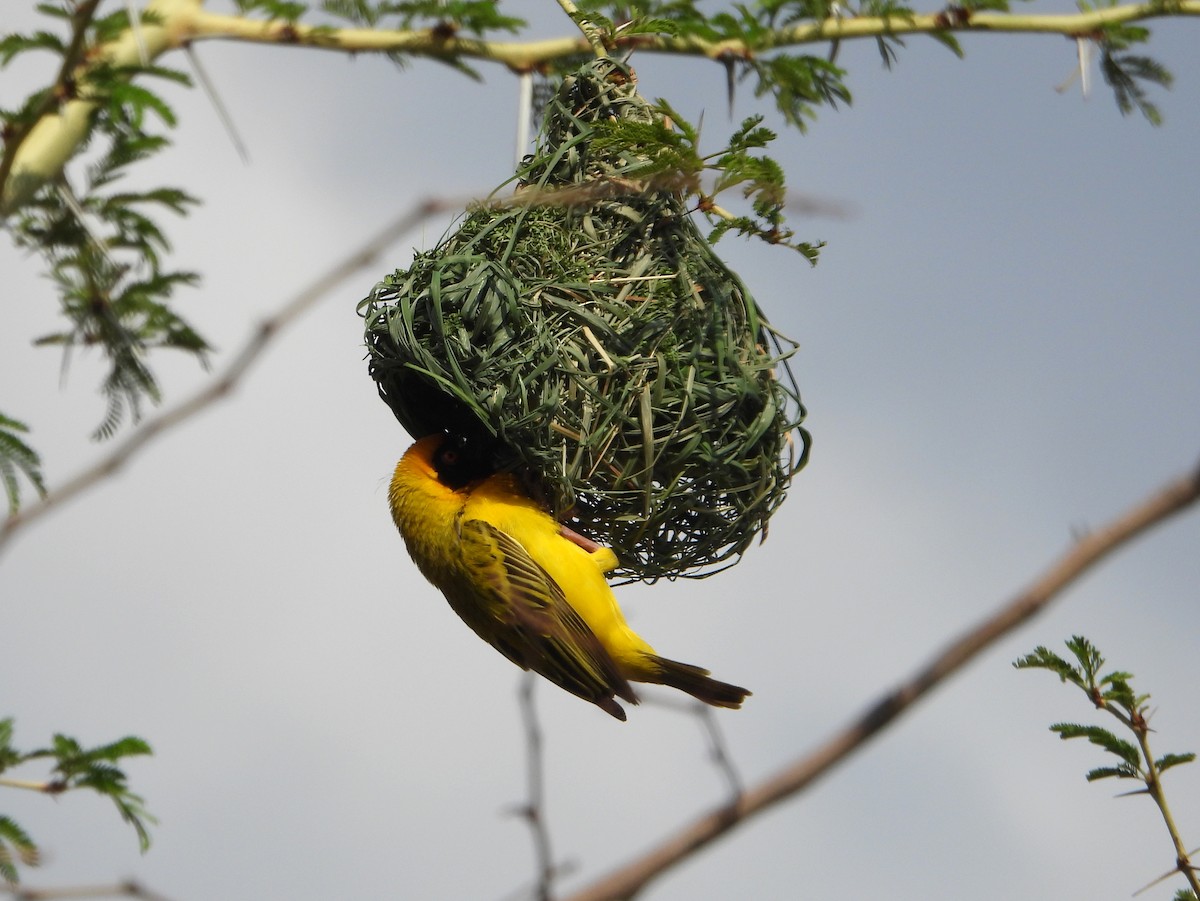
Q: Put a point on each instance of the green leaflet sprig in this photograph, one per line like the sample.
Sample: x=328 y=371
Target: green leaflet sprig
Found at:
x=1128 y=74
x=282 y=10
x=668 y=151
x=797 y=83
x=74 y=768
x=18 y=459
x=15 y=847
x=1113 y=693
x=104 y=248
x=801 y=84
x=445 y=18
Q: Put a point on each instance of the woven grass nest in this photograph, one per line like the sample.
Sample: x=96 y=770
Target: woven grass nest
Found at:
x=591 y=335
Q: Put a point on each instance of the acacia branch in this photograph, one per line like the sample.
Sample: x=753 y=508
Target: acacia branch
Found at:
x=1153 y=780
x=62 y=129
x=173 y=24
x=80 y=21
x=524 y=55
x=631 y=878
x=222 y=386
x=594 y=34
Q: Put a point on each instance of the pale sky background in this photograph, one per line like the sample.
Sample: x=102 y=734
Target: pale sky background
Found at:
x=999 y=348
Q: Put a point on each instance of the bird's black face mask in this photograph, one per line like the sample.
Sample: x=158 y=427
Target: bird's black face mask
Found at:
x=460 y=461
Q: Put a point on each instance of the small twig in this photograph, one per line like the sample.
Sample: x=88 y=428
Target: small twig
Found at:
x=1164 y=877
x=124 y=889
x=263 y=336
x=790 y=781
x=533 y=811
x=1183 y=863
x=719 y=750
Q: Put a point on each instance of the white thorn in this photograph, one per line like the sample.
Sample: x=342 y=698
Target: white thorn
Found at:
x=215 y=99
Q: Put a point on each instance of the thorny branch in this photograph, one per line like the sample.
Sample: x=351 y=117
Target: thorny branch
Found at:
x=60 y=90
x=57 y=136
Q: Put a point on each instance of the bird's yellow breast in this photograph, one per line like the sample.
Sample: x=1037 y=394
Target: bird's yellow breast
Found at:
x=578 y=573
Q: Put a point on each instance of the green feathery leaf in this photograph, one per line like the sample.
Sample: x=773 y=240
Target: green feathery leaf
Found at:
x=18 y=459
x=1101 y=738
x=77 y=767
x=9 y=756
x=15 y=846
x=105 y=248
x=1120 y=771
x=273 y=9
x=1127 y=74
x=1090 y=660
x=1167 y=761
x=1044 y=658
x=12 y=45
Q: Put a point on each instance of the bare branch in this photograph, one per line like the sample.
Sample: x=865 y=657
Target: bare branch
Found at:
x=120 y=890
x=788 y=782
x=534 y=811
x=222 y=386
x=718 y=749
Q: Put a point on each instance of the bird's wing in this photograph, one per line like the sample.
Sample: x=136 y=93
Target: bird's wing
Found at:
x=543 y=632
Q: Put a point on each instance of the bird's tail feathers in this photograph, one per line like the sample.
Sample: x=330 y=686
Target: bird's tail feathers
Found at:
x=611 y=707
x=697 y=682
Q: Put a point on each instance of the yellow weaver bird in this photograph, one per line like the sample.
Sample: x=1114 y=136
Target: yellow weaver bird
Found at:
x=530 y=587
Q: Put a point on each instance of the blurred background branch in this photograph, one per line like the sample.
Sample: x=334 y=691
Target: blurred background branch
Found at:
x=224 y=384
x=631 y=878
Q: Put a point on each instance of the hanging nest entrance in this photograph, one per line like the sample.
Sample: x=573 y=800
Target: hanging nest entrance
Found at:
x=591 y=334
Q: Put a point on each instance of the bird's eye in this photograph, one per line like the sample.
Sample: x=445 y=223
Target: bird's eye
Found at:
x=448 y=457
